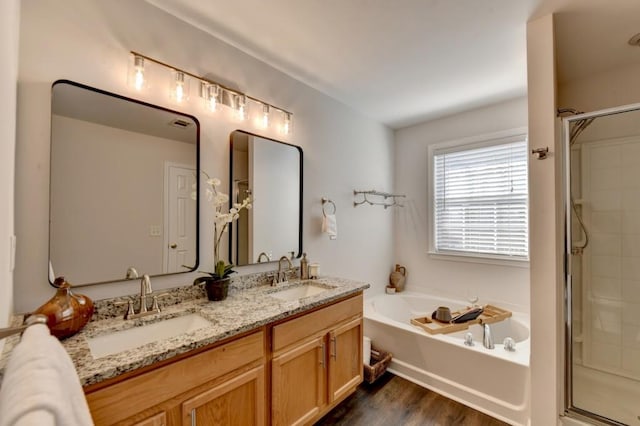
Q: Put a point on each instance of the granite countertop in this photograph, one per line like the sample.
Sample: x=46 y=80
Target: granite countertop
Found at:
x=247 y=307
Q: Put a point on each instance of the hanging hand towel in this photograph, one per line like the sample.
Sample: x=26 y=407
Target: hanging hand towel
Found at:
x=330 y=226
x=40 y=384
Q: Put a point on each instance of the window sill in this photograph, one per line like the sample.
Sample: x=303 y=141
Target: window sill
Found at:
x=453 y=257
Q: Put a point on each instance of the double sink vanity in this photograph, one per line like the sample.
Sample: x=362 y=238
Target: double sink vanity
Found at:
x=265 y=355
x=281 y=355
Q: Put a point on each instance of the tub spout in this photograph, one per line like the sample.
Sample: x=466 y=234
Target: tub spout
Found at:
x=487 y=339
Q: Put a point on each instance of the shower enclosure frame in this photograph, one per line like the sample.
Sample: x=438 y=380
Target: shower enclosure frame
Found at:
x=570 y=410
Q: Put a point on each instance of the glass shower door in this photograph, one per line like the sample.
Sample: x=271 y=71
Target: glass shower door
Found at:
x=603 y=262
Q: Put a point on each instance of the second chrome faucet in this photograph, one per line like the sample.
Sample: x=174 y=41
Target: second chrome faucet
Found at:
x=281 y=276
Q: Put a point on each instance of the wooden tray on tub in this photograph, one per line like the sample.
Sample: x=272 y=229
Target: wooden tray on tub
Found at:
x=490 y=315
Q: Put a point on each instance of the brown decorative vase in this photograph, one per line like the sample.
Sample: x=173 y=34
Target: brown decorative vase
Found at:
x=398 y=278
x=216 y=289
x=66 y=312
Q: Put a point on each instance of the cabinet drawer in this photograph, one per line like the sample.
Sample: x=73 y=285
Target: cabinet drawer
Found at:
x=315 y=322
x=128 y=397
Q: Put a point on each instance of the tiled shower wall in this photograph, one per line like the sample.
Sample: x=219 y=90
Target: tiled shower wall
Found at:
x=610 y=267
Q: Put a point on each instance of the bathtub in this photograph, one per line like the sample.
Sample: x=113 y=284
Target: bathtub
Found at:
x=495 y=381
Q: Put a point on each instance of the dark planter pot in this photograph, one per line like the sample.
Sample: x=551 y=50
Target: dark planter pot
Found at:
x=216 y=289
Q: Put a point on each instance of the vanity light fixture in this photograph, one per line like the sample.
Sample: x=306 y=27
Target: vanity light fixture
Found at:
x=180 y=86
x=211 y=95
x=214 y=94
x=136 y=73
x=286 y=123
x=241 y=107
x=264 y=122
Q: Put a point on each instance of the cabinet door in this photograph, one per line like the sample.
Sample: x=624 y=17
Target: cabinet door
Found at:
x=237 y=401
x=159 y=419
x=345 y=359
x=298 y=383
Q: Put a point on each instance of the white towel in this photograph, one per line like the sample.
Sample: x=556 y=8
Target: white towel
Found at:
x=330 y=226
x=40 y=385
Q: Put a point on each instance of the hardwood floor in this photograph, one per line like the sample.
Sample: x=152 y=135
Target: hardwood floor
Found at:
x=394 y=401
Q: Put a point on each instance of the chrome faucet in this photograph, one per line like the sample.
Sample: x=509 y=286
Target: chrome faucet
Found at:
x=145 y=291
x=487 y=339
x=281 y=276
x=265 y=255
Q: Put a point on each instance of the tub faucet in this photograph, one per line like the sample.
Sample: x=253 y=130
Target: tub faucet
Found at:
x=487 y=339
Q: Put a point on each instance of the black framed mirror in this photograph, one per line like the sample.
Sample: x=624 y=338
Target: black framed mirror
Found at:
x=123 y=187
x=270 y=172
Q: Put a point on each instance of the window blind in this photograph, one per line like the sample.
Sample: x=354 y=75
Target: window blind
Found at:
x=480 y=200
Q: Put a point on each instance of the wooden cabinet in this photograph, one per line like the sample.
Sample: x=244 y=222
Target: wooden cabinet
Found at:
x=317 y=362
x=345 y=359
x=289 y=373
x=298 y=376
x=237 y=401
x=226 y=375
x=159 y=419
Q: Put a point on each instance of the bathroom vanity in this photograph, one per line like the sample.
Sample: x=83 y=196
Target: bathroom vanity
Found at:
x=263 y=360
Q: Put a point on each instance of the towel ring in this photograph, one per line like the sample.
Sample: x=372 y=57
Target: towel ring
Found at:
x=327 y=201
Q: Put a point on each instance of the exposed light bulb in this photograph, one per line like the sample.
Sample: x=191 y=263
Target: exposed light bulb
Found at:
x=139 y=72
x=286 y=124
x=242 y=107
x=136 y=76
x=265 y=116
x=179 y=86
x=213 y=92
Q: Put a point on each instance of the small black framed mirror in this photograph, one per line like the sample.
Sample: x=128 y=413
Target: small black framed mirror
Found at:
x=270 y=172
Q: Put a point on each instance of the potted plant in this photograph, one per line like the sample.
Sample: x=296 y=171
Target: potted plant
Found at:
x=217 y=282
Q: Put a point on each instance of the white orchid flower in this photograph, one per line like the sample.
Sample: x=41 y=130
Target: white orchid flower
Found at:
x=220 y=199
x=214 y=181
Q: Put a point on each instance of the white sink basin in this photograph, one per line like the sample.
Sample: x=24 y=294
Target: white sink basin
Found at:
x=299 y=292
x=119 y=341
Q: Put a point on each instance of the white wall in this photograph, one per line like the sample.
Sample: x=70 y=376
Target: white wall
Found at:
x=89 y=41
x=496 y=283
x=545 y=227
x=602 y=90
x=9 y=31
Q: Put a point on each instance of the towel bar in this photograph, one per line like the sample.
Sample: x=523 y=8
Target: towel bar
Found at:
x=373 y=192
x=31 y=320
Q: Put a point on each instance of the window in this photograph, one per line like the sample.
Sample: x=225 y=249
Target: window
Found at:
x=479 y=198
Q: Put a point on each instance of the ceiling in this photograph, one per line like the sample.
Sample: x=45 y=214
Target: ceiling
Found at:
x=403 y=62
x=86 y=104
